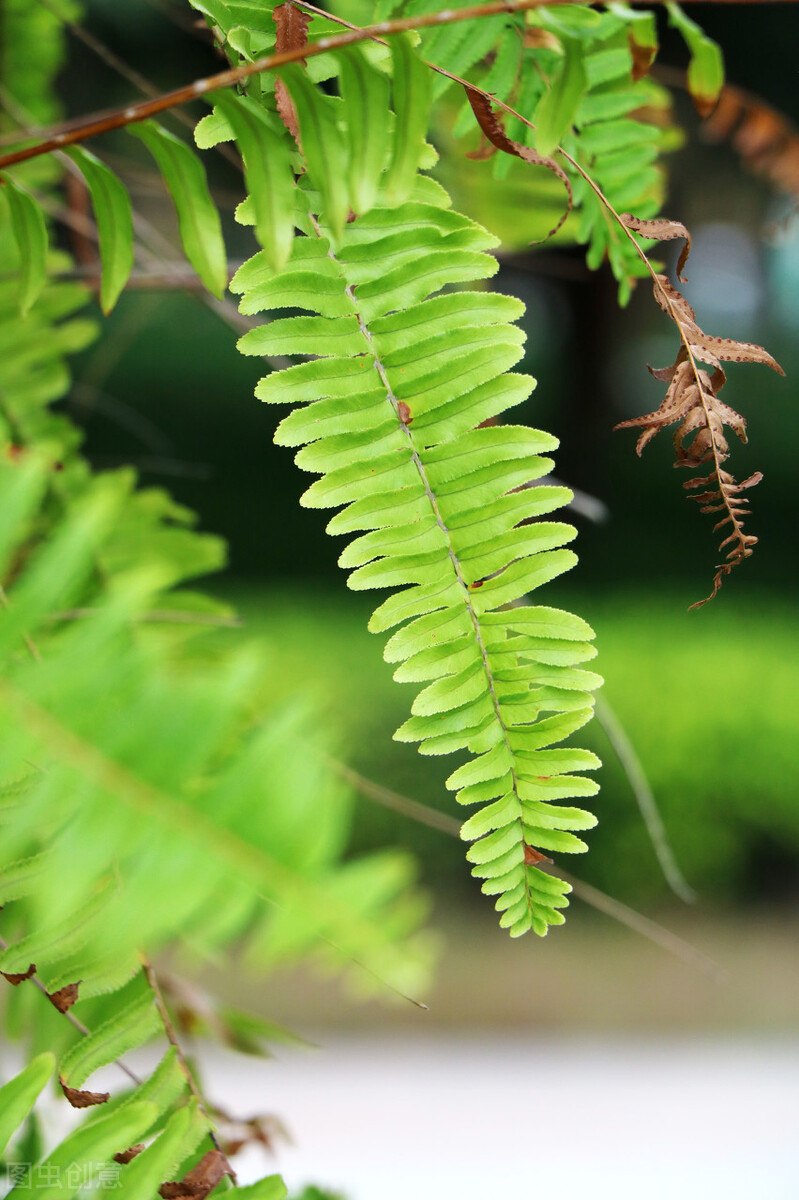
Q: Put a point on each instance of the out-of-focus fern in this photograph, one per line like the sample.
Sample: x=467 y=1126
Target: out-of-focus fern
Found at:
x=143 y=803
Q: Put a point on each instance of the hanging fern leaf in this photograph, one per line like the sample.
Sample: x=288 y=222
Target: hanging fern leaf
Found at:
x=27 y=222
x=114 y=216
x=405 y=379
x=267 y=170
x=198 y=218
x=18 y=1096
x=129 y=1027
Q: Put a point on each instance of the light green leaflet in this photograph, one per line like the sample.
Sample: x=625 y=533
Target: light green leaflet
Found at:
x=86 y=1150
x=706 y=68
x=30 y=232
x=412 y=94
x=555 y=112
x=160 y=1160
x=323 y=145
x=129 y=1027
x=114 y=217
x=18 y=1096
x=198 y=219
x=365 y=93
x=267 y=171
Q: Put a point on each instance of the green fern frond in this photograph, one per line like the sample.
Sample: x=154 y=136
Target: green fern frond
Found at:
x=149 y=751
x=393 y=403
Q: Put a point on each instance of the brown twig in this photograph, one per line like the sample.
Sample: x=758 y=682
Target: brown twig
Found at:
x=172 y=1038
x=93 y=126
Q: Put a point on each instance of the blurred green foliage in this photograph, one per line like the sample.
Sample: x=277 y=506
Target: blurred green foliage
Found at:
x=707 y=698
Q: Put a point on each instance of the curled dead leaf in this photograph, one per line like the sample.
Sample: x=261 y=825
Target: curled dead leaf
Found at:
x=291 y=26
x=126 y=1156
x=16 y=978
x=662 y=230
x=200 y=1180
x=79 y=1099
x=65 y=997
x=492 y=129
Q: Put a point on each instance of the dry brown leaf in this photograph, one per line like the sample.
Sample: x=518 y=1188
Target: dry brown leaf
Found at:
x=492 y=129
x=16 y=978
x=731 y=351
x=692 y=403
x=126 y=1156
x=662 y=230
x=65 y=997
x=642 y=56
x=291 y=26
x=726 y=497
x=79 y=1099
x=200 y=1180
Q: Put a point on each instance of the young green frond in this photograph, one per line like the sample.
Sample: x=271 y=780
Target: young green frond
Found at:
x=446 y=514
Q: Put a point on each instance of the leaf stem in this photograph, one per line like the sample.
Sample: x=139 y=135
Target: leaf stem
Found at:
x=172 y=1038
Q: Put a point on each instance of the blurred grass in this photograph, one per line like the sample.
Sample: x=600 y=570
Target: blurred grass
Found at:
x=709 y=699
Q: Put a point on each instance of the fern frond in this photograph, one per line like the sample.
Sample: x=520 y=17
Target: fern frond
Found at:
x=692 y=402
x=390 y=426
x=150 y=765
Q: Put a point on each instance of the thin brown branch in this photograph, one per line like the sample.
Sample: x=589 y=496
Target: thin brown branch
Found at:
x=123 y=69
x=172 y=1038
x=73 y=1020
x=84 y=129
x=118 y=118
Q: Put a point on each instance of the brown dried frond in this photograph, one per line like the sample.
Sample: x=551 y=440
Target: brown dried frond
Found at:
x=492 y=129
x=291 y=26
x=692 y=403
x=726 y=497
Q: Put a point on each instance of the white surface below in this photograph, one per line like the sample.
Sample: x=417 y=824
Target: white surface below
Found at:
x=489 y=1118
